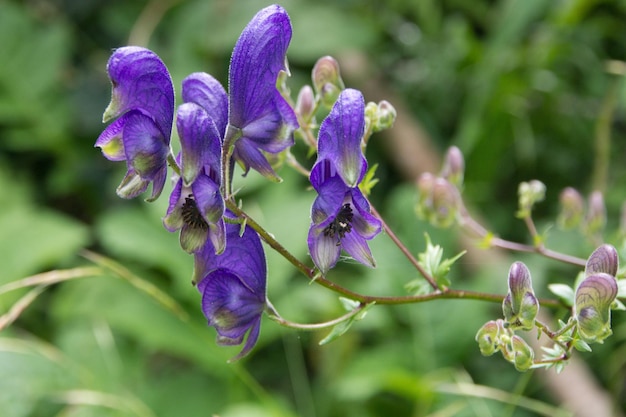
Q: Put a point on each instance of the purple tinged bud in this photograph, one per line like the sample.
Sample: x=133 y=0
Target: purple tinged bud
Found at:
x=327 y=80
x=520 y=306
x=572 y=208
x=596 y=213
x=305 y=103
x=453 y=166
x=438 y=200
x=604 y=259
x=488 y=337
x=592 y=308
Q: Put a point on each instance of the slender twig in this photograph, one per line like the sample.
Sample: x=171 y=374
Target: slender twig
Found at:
x=273 y=314
x=405 y=251
x=314 y=276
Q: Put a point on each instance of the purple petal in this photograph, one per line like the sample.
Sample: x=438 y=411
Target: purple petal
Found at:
x=110 y=141
x=243 y=256
x=204 y=90
x=357 y=247
x=232 y=307
x=145 y=147
x=199 y=139
x=255 y=106
x=208 y=199
x=173 y=219
x=323 y=249
x=364 y=223
x=331 y=197
x=141 y=81
x=248 y=156
x=340 y=137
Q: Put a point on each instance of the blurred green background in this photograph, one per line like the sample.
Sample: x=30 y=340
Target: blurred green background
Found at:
x=521 y=86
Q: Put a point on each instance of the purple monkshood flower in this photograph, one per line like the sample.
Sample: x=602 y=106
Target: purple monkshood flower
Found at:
x=142 y=102
x=233 y=287
x=340 y=215
x=196 y=205
x=258 y=114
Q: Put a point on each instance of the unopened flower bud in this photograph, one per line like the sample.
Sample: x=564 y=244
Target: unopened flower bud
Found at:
x=386 y=116
x=596 y=213
x=327 y=80
x=529 y=194
x=438 y=200
x=592 y=309
x=604 y=259
x=488 y=337
x=305 y=103
x=572 y=208
x=523 y=355
x=453 y=166
x=520 y=306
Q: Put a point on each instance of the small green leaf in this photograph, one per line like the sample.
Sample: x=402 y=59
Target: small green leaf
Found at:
x=564 y=292
x=337 y=331
x=581 y=345
x=349 y=304
x=369 y=181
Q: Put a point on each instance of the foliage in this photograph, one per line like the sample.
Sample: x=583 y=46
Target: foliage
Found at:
x=520 y=86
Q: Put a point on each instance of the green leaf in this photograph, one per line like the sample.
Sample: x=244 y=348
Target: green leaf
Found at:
x=564 y=292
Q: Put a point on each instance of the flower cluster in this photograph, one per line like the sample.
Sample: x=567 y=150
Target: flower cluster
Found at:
x=218 y=128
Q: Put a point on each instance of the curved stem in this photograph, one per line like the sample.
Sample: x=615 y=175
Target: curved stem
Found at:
x=313 y=275
x=273 y=314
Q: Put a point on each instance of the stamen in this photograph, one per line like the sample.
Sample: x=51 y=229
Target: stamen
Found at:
x=341 y=224
x=191 y=215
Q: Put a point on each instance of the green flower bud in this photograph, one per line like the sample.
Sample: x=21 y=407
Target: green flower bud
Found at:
x=520 y=306
x=327 y=80
x=488 y=337
x=592 y=308
x=572 y=208
x=596 y=213
x=453 y=166
x=603 y=259
x=523 y=354
x=305 y=103
x=529 y=194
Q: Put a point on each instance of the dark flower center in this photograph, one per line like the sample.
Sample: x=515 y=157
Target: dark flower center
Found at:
x=192 y=216
x=341 y=224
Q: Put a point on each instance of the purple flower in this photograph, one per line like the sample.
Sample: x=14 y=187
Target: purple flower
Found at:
x=196 y=205
x=233 y=287
x=340 y=215
x=257 y=111
x=142 y=102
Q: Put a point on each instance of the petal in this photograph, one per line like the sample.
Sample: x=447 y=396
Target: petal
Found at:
x=329 y=201
x=145 y=147
x=323 y=249
x=192 y=239
x=173 y=219
x=217 y=234
x=110 y=141
x=364 y=223
x=357 y=247
x=199 y=139
x=248 y=156
x=255 y=106
x=243 y=256
x=253 y=337
x=204 y=90
x=340 y=137
x=141 y=81
x=208 y=199
x=158 y=182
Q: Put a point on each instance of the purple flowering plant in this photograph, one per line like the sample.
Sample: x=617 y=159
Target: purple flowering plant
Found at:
x=255 y=124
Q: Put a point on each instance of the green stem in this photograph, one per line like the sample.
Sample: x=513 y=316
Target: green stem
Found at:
x=273 y=314
x=314 y=276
